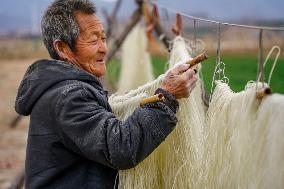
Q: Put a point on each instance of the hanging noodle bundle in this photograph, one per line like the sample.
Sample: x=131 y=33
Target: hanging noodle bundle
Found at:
x=239 y=144
x=244 y=146
x=230 y=118
x=176 y=162
x=145 y=174
x=182 y=151
x=269 y=167
x=136 y=67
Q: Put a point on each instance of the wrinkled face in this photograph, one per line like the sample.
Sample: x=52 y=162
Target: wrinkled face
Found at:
x=91 y=48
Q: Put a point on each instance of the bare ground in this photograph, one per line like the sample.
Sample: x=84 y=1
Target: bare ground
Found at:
x=12 y=140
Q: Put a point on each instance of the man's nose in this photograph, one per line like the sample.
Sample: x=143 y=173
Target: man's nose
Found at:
x=103 y=47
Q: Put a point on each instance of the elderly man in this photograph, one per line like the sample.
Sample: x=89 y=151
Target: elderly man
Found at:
x=74 y=140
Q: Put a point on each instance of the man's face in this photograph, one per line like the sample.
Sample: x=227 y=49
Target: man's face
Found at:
x=91 y=48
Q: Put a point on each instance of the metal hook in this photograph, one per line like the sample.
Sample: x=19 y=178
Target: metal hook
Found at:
x=194 y=35
x=217 y=69
x=218 y=60
x=260 y=93
x=260 y=68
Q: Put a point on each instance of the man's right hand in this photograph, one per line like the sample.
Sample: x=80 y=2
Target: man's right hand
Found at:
x=180 y=81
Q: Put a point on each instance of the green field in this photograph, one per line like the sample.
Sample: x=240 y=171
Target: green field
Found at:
x=239 y=70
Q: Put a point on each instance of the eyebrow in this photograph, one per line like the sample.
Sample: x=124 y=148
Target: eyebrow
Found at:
x=97 y=32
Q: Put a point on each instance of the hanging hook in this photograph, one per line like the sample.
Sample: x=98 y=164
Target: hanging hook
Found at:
x=260 y=93
x=177 y=28
x=218 y=60
x=260 y=58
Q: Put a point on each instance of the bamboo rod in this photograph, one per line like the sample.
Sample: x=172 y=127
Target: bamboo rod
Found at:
x=199 y=58
x=263 y=92
x=156 y=98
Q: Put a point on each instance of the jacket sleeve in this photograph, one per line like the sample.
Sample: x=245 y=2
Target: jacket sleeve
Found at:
x=87 y=128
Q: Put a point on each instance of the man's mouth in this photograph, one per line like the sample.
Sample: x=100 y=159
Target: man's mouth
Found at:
x=101 y=61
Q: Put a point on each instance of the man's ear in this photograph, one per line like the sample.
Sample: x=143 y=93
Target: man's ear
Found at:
x=63 y=50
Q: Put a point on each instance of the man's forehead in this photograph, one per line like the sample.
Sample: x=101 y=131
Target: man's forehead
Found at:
x=87 y=21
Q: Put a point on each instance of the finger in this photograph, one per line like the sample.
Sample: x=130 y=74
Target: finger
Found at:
x=194 y=78
x=180 y=68
x=189 y=73
x=191 y=83
x=191 y=87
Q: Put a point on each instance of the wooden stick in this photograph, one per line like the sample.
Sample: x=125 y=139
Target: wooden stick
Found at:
x=263 y=92
x=199 y=58
x=111 y=19
x=156 y=98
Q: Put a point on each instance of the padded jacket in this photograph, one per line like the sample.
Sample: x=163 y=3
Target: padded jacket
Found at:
x=74 y=139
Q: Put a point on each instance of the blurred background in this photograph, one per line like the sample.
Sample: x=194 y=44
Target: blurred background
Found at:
x=21 y=45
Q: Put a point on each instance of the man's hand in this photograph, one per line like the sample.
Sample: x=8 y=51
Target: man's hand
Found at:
x=179 y=81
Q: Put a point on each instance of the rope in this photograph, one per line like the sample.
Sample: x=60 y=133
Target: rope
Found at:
x=214 y=21
x=275 y=61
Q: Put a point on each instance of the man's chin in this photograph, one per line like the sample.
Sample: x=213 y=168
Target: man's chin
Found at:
x=99 y=72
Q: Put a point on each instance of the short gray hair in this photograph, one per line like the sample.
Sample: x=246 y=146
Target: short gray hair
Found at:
x=59 y=23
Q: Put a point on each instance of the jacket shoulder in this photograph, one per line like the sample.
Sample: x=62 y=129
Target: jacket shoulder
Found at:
x=83 y=90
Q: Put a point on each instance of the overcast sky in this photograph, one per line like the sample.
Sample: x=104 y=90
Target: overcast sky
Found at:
x=22 y=13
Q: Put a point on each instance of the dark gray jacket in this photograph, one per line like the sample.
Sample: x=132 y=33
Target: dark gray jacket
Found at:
x=74 y=140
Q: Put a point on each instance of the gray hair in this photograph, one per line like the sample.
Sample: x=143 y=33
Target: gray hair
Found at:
x=59 y=23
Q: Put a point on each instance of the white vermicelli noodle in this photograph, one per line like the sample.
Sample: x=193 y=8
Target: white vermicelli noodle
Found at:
x=176 y=162
x=136 y=69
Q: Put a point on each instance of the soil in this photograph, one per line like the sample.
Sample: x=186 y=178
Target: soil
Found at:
x=12 y=140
